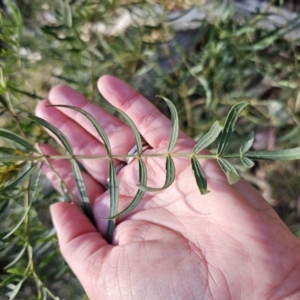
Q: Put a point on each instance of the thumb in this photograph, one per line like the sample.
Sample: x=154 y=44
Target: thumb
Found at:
x=81 y=244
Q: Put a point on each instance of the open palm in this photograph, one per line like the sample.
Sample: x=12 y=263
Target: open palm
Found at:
x=177 y=244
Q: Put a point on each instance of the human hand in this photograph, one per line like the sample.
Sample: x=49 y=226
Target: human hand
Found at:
x=177 y=244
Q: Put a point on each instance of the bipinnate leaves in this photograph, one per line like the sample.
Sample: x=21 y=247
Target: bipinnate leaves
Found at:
x=229 y=126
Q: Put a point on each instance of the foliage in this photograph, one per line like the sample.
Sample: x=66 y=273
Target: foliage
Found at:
x=221 y=63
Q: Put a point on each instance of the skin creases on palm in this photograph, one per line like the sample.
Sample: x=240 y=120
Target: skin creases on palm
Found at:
x=228 y=244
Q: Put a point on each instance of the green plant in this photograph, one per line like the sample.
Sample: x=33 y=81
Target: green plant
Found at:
x=226 y=62
x=220 y=155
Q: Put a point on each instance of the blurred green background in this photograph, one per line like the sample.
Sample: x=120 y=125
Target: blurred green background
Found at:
x=203 y=55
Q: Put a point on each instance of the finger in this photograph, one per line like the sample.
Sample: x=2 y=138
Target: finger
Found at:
x=152 y=124
x=82 y=142
x=62 y=169
x=81 y=244
x=120 y=135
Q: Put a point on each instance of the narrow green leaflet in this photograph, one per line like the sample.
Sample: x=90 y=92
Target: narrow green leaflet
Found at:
x=64 y=192
x=248 y=143
x=200 y=176
x=3 y=101
x=288 y=154
x=19 y=180
x=248 y=163
x=86 y=206
x=139 y=194
x=229 y=170
x=4 y=206
x=16 y=289
x=137 y=136
x=54 y=130
x=17 y=139
x=113 y=189
x=175 y=123
x=95 y=123
x=19 y=223
x=170 y=177
x=68 y=15
x=16 y=259
x=16 y=158
x=229 y=126
x=208 y=138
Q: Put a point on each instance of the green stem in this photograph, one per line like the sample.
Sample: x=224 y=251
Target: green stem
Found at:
x=234 y=155
x=12 y=158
